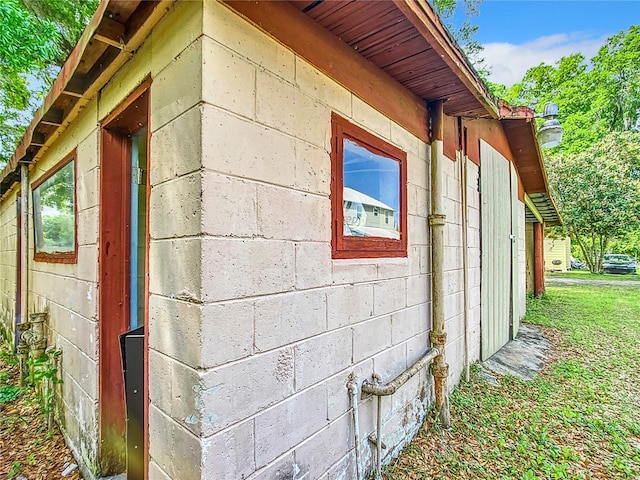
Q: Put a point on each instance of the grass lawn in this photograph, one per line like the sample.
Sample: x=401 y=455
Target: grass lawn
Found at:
x=579 y=419
x=587 y=275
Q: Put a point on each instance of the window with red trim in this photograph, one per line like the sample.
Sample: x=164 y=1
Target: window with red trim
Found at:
x=368 y=194
x=54 y=213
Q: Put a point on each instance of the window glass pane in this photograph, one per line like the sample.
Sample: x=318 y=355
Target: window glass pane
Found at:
x=371 y=193
x=54 y=216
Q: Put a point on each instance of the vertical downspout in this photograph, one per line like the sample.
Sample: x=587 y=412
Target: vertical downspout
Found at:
x=24 y=261
x=465 y=261
x=438 y=336
x=538 y=259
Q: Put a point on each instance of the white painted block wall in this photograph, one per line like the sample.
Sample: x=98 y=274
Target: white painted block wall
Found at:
x=8 y=262
x=254 y=331
x=68 y=292
x=276 y=327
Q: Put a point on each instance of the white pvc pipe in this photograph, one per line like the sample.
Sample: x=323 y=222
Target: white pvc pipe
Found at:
x=24 y=261
x=465 y=261
x=353 y=388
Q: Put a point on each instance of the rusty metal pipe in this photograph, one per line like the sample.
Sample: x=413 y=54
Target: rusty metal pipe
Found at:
x=391 y=387
x=437 y=219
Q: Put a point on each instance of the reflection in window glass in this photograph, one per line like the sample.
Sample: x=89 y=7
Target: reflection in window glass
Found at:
x=371 y=194
x=53 y=207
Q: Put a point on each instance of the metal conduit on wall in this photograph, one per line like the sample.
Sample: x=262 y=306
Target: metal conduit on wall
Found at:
x=24 y=261
x=437 y=219
x=436 y=354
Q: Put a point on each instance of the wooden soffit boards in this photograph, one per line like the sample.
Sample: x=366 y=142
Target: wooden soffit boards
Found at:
x=521 y=135
x=406 y=39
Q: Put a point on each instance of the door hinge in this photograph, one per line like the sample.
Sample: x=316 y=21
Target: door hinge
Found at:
x=138 y=176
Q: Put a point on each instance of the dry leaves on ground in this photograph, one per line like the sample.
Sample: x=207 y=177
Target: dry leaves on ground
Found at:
x=29 y=450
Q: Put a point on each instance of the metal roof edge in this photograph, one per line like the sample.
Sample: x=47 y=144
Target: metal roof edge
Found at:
x=69 y=67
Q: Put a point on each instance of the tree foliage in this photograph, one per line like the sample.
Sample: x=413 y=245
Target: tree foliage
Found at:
x=465 y=34
x=593 y=172
x=598 y=193
x=35 y=39
x=594 y=98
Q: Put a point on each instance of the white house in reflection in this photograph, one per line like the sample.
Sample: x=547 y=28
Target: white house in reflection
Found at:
x=364 y=216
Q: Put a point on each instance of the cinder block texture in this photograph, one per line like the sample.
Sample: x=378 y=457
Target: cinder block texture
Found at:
x=266 y=241
x=254 y=330
x=289 y=423
x=230 y=454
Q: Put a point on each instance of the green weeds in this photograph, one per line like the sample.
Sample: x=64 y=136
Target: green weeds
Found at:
x=577 y=419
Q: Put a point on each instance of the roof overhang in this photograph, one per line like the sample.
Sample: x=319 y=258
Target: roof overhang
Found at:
x=519 y=126
x=407 y=40
x=404 y=38
x=544 y=209
x=115 y=31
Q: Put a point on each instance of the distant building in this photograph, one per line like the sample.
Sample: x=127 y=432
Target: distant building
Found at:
x=364 y=216
x=557 y=254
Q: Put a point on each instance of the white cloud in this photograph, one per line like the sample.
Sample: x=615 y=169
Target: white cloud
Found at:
x=509 y=62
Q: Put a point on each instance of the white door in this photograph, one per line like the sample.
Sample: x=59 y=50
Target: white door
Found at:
x=496 y=243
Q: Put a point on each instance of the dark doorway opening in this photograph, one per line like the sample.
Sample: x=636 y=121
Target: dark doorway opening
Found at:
x=123 y=271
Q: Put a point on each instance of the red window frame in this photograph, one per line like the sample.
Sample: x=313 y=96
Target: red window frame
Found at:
x=363 y=247
x=69 y=256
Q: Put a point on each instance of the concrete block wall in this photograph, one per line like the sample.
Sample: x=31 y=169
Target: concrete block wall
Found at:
x=255 y=331
x=8 y=262
x=474 y=254
x=176 y=311
x=68 y=292
x=454 y=268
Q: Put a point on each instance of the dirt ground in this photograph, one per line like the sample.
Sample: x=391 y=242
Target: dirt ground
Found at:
x=28 y=451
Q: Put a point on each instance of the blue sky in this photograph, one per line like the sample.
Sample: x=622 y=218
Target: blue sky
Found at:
x=519 y=34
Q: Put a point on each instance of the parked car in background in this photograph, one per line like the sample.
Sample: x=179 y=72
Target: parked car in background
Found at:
x=618 y=263
x=577 y=264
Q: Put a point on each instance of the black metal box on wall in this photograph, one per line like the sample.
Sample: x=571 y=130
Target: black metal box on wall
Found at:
x=132 y=345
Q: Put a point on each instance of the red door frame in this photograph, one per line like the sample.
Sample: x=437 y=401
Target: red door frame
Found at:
x=114 y=256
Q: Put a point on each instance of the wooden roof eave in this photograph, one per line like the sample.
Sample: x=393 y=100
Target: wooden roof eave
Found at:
x=425 y=20
x=99 y=29
x=521 y=132
x=56 y=89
